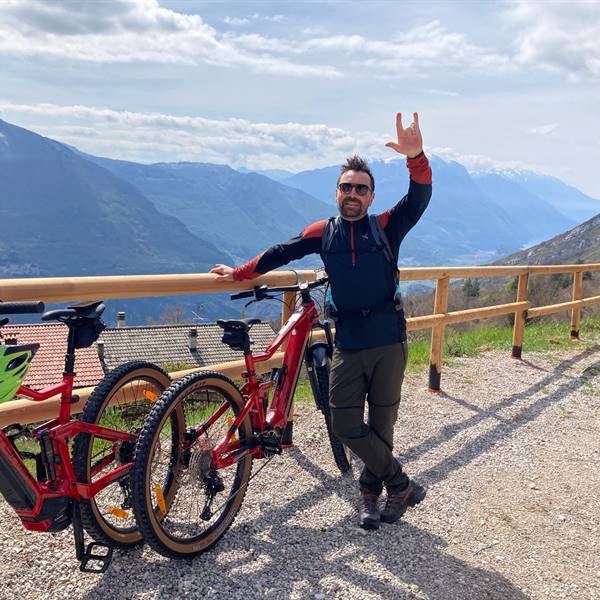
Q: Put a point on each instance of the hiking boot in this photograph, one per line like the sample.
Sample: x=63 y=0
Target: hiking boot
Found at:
x=398 y=500
x=369 y=511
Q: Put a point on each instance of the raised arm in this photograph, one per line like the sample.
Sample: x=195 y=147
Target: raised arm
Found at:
x=308 y=242
x=397 y=221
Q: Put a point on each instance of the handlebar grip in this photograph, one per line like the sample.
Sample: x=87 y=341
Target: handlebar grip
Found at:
x=21 y=308
x=242 y=295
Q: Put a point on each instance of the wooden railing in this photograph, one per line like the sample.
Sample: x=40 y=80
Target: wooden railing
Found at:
x=62 y=289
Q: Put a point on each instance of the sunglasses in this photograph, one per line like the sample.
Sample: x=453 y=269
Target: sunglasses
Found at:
x=361 y=188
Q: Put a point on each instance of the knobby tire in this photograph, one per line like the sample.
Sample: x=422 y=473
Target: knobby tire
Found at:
x=144 y=379
x=168 y=532
x=320 y=385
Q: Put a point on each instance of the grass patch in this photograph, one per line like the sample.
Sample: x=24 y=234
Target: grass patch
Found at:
x=540 y=336
x=303 y=392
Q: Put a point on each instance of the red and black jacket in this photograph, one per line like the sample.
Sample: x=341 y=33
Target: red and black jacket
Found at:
x=360 y=276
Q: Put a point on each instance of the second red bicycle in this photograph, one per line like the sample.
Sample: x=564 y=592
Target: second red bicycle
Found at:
x=193 y=459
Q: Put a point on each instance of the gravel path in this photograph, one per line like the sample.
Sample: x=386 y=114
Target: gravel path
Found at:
x=509 y=452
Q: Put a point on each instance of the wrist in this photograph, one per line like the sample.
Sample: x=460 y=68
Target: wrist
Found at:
x=421 y=153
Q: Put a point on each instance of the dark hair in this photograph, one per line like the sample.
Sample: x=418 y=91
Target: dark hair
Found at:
x=356 y=163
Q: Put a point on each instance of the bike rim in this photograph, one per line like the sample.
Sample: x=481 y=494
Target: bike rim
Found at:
x=124 y=410
x=177 y=517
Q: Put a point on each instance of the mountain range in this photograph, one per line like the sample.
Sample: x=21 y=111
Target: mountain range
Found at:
x=472 y=218
x=64 y=212
x=580 y=244
x=244 y=213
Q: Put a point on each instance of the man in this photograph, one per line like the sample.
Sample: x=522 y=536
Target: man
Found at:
x=370 y=342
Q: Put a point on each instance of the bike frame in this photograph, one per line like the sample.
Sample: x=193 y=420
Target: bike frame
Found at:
x=53 y=437
x=296 y=330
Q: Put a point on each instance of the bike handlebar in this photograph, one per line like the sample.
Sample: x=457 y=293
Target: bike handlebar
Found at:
x=21 y=308
x=260 y=292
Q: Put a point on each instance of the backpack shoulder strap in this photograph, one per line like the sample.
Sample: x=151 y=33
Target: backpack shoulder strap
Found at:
x=381 y=239
x=328 y=231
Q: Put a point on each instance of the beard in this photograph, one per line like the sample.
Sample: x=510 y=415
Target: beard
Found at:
x=351 y=209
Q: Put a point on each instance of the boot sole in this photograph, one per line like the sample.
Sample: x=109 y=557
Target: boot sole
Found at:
x=370 y=524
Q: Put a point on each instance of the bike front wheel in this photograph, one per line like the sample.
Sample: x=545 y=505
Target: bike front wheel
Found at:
x=121 y=401
x=319 y=379
x=182 y=503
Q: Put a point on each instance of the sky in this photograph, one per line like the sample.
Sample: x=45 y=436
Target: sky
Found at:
x=299 y=85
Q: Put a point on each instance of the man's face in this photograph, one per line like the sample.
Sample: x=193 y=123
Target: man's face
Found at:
x=351 y=205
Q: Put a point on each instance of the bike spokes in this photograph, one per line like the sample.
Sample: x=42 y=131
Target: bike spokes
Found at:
x=199 y=488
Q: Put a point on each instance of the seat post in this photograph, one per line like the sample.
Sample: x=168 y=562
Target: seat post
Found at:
x=70 y=355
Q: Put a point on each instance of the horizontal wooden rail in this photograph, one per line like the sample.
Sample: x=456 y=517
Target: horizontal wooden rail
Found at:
x=553 y=269
x=29 y=411
x=554 y=308
x=473 y=314
x=62 y=289
x=423 y=273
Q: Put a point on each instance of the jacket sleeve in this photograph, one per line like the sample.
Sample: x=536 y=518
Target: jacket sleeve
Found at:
x=308 y=242
x=400 y=219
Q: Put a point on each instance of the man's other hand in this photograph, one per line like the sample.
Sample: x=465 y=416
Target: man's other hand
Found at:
x=410 y=142
x=224 y=272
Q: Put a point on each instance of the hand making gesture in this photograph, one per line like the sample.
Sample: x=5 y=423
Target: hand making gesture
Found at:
x=410 y=141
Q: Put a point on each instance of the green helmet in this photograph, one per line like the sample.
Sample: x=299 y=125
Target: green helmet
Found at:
x=14 y=364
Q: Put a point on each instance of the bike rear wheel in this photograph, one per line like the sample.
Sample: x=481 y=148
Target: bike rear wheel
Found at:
x=319 y=380
x=121 y=401
x=182 y=503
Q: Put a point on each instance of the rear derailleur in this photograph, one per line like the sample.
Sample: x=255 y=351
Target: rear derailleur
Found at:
x=213 y=484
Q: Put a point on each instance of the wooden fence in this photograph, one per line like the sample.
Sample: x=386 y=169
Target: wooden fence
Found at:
x=63 y=289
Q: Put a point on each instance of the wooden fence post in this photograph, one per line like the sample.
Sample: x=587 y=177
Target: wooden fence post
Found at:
x=519 y=324
x=576 y=312
x=437 y=335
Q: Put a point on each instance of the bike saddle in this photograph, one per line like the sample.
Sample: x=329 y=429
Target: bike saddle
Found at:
x=242 y=324
x=83 y=310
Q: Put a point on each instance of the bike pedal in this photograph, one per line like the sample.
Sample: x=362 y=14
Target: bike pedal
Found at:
x=99 y=562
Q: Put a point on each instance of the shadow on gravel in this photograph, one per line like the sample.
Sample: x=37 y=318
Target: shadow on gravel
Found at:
x=531 y=409
x=397 y=562
x=273 y=556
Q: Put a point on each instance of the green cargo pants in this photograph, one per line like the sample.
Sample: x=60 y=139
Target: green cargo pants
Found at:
x=376 y=375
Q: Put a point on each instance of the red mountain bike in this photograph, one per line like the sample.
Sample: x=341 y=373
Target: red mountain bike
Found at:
x=90 y=489
x=194 y=456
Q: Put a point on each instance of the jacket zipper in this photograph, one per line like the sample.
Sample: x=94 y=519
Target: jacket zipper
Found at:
x=352 y=243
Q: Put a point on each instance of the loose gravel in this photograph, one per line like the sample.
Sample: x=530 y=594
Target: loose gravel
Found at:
x=509 y=452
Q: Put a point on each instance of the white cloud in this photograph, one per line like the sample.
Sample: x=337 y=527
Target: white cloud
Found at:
x=254 y=17
x=236 y=20
x=152 y=137
x=420 y=51
x=423 y=49
x=554 y=36
x=436 y=92
x=479 y=163
x=315 y=30
x=130 y=31
x=543 y=129
x=560 y=37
